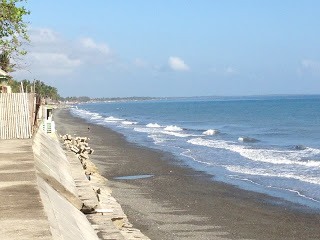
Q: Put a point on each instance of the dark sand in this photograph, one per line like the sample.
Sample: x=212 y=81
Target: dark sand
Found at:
x=180 y=203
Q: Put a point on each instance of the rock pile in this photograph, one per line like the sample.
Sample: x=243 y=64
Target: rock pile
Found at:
x=80 y=146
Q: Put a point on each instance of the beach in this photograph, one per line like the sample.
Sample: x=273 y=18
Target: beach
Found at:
x=177 y=202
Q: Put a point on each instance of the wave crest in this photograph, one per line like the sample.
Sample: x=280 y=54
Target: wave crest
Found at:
x=247 y=139
x=153 y=125
x=173 y=128
x=210 y=132
x=112 y=119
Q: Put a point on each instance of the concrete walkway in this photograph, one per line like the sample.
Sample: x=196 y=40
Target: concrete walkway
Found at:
x=22 y=214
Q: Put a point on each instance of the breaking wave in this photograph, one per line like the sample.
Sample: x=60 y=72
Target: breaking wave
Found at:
x=112 y=119
x=153 y=125
x=210 y=132
x=247 y=139
x=173 y=128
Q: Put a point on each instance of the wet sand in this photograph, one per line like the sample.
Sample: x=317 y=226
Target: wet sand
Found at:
x=177 y=202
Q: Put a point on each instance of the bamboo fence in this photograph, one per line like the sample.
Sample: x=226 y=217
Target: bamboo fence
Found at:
x=16 y=115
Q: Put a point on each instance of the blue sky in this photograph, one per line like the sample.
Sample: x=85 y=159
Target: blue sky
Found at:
x=174 y=48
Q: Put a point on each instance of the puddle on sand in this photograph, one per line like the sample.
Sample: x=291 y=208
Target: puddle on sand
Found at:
x=134 y=177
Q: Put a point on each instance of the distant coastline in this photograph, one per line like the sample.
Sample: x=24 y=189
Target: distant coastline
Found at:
x=85 y=99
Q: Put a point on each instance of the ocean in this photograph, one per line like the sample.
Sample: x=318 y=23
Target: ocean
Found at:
x=266 y=144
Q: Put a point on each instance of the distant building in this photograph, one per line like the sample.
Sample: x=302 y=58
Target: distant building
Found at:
x=4 y=88
x=48 y=124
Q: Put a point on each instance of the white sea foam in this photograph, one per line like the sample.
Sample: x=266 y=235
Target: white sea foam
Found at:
x=312 y=150
x=148 y=130
x=209 y=143
x=187 y=153
x=296 y=192
x=263 y=155
x=210 y=132
x=273 y=173
x=157 y=139
x=81 y=112
x=177 y=134
x=86 y=114
x=173 y=128
x=112 y=119
x=274 y=187
x=128 y=123
x=277 y=156
x=153 y=125
x=95 y=116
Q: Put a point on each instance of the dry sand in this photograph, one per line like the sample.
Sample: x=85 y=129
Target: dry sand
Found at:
x=180 y=203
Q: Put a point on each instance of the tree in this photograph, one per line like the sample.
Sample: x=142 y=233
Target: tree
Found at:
x=13 y=29
x=44 y=90
x=5 y=64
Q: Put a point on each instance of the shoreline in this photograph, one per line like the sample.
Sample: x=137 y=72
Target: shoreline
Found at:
x=178 y=202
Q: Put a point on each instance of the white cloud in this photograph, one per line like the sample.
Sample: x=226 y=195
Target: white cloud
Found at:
x=43 y=35
x=140 y=63
x=307 y=63
x=308 y=66
x=49 y=54
x=230 y=71
x=177 y=64
x=54 y=63
x=213 y=70
x=49 y=59
x=91 y=44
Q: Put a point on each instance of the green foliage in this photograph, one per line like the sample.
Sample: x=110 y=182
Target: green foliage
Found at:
x=15 y=86
x=36 y=86
x=45 y=90
x=13 y=29
x=5 y=64
x=77 y=99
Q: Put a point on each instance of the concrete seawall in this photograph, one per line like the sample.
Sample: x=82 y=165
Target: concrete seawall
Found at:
x=56 y=185
x=66 y=191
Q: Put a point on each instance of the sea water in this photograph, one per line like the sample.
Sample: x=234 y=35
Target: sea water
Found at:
x=268 y=144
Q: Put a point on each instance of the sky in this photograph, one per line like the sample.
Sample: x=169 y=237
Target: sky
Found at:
x=124 y=48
